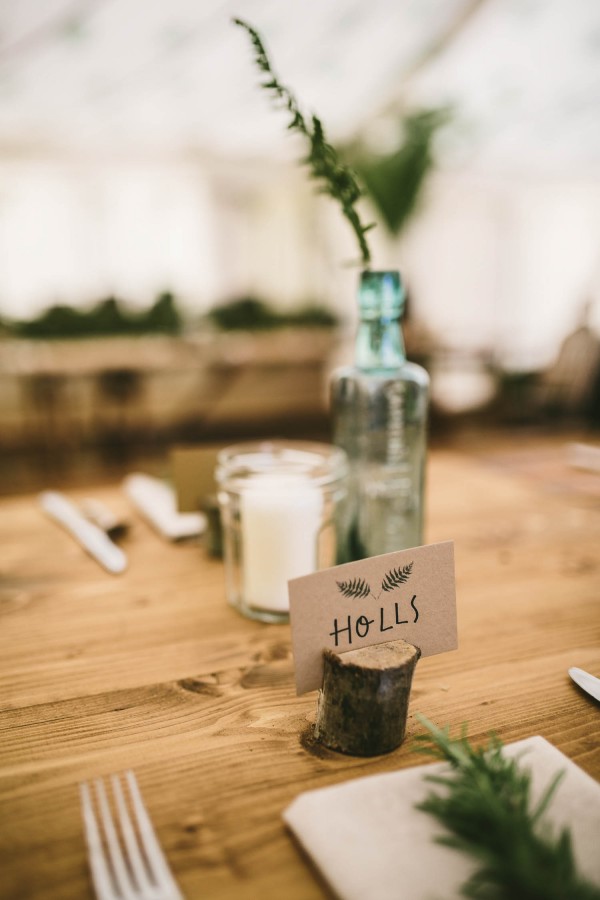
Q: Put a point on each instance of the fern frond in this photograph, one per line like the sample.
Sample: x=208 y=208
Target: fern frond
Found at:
x=338 y=180
x=396 y=577
x=358 y=587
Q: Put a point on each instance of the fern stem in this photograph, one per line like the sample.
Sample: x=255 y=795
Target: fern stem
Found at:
x=337 y=179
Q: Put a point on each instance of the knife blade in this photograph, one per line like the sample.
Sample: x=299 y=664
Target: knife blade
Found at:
x=589 y=683
x=88 y=535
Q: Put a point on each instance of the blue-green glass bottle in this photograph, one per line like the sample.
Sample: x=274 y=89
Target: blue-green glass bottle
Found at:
x=379 y=411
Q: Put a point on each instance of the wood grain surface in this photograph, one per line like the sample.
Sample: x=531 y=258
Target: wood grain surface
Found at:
x=153 y=670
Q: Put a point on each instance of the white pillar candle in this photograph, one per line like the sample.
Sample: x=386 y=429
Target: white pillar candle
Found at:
x=280 y=521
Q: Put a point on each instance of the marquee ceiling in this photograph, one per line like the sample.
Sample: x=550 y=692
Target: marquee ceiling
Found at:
x=175 y=77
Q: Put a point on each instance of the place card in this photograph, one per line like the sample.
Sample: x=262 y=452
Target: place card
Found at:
x=193 y=472
x=409 y=594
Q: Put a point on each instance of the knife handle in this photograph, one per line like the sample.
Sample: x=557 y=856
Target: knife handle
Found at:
x=91 y=538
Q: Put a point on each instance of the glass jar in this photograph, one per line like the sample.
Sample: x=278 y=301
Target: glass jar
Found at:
x=282 y=509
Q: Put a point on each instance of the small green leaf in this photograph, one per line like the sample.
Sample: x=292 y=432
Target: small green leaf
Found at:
x=358 y=587
x=396 y=577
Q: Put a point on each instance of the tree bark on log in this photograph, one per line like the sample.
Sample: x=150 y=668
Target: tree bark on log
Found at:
x=363 y=704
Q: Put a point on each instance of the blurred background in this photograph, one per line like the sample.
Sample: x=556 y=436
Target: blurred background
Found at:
x=168 y=275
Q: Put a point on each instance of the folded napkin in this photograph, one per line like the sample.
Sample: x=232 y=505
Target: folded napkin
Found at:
x=156 y=501
x=370 y=843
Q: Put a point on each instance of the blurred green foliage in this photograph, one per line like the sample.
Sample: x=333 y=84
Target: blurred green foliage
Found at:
x=249 y=313
x=109 y=317
x=112 y=318
x=395 y=181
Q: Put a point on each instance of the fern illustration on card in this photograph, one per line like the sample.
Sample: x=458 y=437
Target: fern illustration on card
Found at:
x=359 y=588
x=396 y=577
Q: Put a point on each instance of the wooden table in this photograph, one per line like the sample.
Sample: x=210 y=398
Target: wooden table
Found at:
x=152 y=670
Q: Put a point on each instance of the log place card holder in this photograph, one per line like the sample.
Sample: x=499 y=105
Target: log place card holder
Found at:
x=357 y=632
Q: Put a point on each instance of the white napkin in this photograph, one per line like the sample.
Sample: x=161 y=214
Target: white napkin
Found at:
x=157 y=503
x=370 y=843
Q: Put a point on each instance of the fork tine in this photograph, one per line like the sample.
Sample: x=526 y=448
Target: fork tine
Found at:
x=157 y=862
x=135 y=857
x=122 y=877
x=100 y=875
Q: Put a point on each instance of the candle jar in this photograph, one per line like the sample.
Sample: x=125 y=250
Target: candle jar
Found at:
x=283 y=511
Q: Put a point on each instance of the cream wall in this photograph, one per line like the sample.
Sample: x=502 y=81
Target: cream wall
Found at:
x=500 y=266
x=504 y=265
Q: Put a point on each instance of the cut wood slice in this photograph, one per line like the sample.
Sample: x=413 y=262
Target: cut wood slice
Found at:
x=363 y=704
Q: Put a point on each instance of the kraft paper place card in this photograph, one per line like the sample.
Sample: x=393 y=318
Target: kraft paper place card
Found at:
x=193 y=470
x=409 y=594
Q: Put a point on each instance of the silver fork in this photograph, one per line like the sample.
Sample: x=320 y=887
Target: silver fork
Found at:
x=133 y=868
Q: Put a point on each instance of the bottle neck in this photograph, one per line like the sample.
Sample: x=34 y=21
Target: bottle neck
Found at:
x=379 y=341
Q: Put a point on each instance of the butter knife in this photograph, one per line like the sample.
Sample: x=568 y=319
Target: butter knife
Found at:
x=587 y=682
x=91 y=538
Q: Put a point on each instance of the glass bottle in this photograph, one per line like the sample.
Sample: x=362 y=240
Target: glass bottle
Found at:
x=379 y=412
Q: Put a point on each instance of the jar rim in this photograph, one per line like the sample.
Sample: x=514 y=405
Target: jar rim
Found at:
x=323 y=463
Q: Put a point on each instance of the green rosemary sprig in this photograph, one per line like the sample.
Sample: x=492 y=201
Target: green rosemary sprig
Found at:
x=336 y=179
x=487 y=810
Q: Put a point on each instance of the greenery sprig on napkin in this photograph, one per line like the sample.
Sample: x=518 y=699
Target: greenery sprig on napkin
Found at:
x=336 y=179
x=487 y=809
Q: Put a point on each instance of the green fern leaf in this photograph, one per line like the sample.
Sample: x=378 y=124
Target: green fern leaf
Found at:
x=396 y=577
x=338 y=179
x=358 y=587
